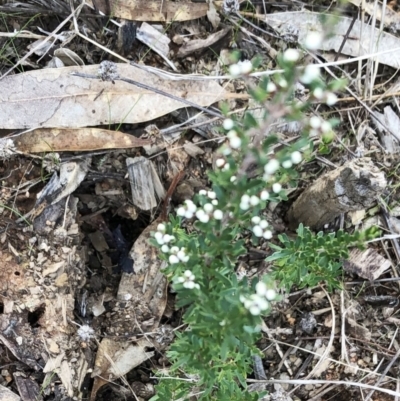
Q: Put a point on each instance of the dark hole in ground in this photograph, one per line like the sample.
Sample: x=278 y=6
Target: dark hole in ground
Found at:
x=1 y=307
x=34 y=317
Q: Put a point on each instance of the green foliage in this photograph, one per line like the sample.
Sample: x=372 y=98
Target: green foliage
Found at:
x=211 y=356
x=312 y=258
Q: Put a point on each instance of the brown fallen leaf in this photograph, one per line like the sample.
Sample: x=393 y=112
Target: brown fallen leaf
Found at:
x=53 y=97
x=155 y=10
x=71 y=140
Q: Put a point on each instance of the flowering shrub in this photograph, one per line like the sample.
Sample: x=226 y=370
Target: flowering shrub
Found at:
x=212 y=356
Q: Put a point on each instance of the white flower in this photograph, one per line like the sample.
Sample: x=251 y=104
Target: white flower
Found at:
x=189 y=215
x=271 y=87
x=263 y=224
x=226 y=151
x=313 y=40
x=231 y=134
x=311 y=73
x=276 y=187
x=165 y=248
x=159 y=237
x=287 y=164
x=331 y=99
x=296 y=157
x=246 y=66
x=189 y=275
x=258 y=231
x=188 y=280
x=208 y=207
x=283 y=83
x=174 y=249
x=270 y=294
x=256 y=304
x=161 y=227
x=190 y=206
x=181 y=211
x=220 y=163
x=235 y=70
x=228 y=124
x=235 y=143
x=244 y=206
x=245 y=198
x=267 y=234
x=261 y=288
x=271 y=166
x=318 y=93
x=326 y=127
x=214 y=202
x=211 y=194
x=200 y=213
x=222 y=323
x=203 y=192
x=202 y=216
x=291 y=55
x=190 y=285
x=182 y=255
x=254 y=200
x=226 y=167
x=255 y=219
x=173 y=259
x=315 y=122
x=264 y=195
x=233 y=178
x=168 y=238
x=218 y=215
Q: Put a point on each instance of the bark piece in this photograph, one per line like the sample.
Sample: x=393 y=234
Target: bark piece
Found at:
x=354 y=186
x=145 y=183
x=367 y=264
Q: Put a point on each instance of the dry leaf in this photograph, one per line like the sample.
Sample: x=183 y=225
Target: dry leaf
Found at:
x=213 y=16
x=303 y=22
x=72 y=140
x=68 y=57
x=156 y=40
x=155 y=10
x=116 y=358
x=390 y=17
x=54 y=98
x=7 y=395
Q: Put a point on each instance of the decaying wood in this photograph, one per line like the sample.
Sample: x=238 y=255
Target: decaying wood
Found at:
x=198 y=45
x=145 y=183
x=367 y=264
x=354 y=186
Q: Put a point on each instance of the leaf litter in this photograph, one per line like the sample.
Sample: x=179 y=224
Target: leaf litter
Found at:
x=83 y=297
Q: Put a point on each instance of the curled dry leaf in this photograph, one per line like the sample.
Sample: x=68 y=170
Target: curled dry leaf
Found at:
x=68 y=57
